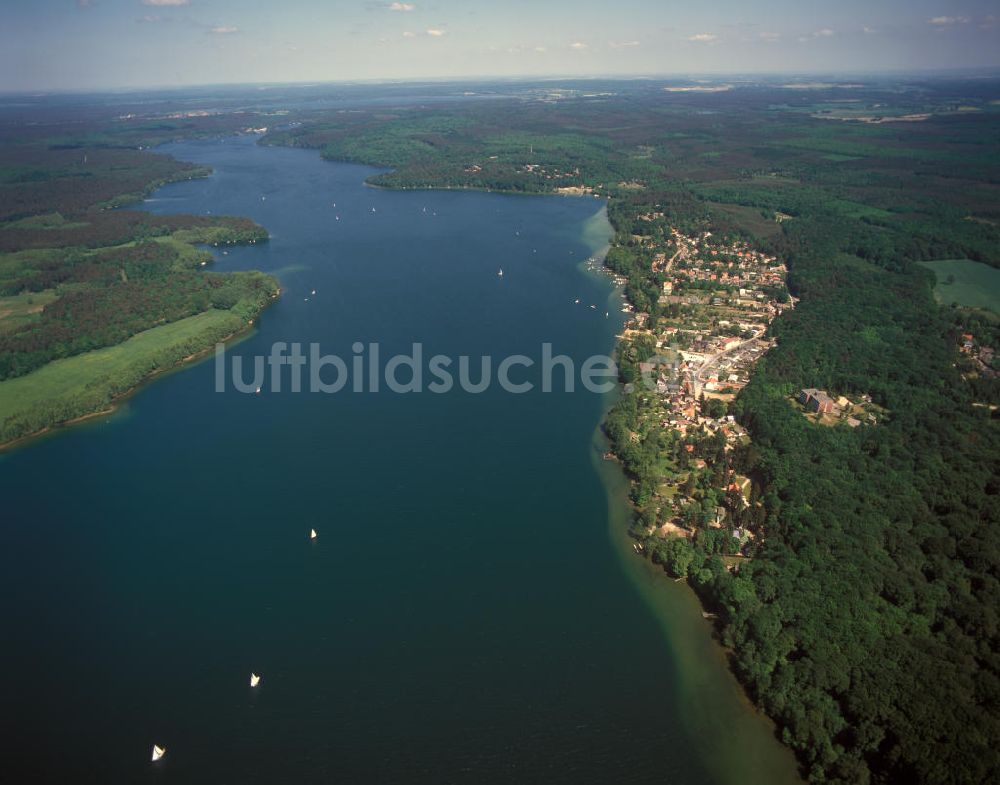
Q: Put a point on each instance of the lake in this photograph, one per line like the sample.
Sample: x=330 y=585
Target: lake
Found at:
x=469 y=612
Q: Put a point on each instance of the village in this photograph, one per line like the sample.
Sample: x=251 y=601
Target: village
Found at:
x=716 y=302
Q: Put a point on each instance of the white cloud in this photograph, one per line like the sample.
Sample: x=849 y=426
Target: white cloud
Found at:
x=620 y=44
x=868 y=30
x=541 y=49
x=826 y=32
x=703 y=38
x=84 y=3
x=166 y=2
x=150 y=19
x=409 y=34
x=770 y=36
x=949 y=20
x=224 y=30
x=435 y=32
x=402 y=7
x=578 y=45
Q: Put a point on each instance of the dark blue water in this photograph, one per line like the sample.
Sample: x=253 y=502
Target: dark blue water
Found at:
x=461 y=617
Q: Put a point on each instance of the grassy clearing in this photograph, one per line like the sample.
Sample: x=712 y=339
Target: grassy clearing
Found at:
x=749 y=218
x=967 y=283
x=21 y=309
x=44 y=221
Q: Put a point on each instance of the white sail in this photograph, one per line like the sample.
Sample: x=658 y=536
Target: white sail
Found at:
x=500 y=273
x=158 y=752
x=312 y=534
x=254 y=679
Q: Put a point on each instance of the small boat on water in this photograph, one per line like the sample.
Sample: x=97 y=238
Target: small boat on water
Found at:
x=254 y=679
x=258 y=391
x=594 y=307
x=313 y=292
x=312 y=534
x=577 y=301
x=500 y=274
x=158 y=752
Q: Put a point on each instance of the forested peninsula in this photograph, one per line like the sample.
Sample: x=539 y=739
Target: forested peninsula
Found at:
x=94 y=300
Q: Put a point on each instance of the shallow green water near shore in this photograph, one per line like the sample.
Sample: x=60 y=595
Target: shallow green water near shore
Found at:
x=466 y=614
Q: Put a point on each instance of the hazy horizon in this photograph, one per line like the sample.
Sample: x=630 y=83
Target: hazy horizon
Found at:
x=992 y=72
x=90 y=45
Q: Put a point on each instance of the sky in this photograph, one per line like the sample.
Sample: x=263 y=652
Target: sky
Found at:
x=50 y=45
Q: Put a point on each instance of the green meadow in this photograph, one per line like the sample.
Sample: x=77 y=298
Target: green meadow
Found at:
x=85 y=383
x=967 y=283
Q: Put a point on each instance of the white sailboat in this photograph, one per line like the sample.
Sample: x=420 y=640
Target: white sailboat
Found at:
x=158 y=752
x=312 y=534
x=500 y=274
x=254 y=679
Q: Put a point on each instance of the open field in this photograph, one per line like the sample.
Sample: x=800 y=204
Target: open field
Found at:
x=975 y=285
x=22 y=309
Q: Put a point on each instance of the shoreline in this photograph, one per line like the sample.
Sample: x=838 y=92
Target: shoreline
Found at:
x=670 y=603
x=473 y=188
x=117 y=400
x=716 y=702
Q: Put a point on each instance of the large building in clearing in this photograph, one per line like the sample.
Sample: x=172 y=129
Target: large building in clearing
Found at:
x=816 y=400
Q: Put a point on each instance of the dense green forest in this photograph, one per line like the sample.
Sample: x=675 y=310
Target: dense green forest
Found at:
x=866 y=620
